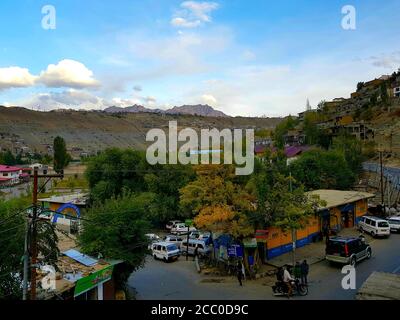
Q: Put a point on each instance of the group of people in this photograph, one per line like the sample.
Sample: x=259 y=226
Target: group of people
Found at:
x=300 y=274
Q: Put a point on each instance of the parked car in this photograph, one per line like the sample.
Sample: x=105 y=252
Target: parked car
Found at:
x=165 y=251
x=171 y=238
x=394 y=223
x=171 y=224
x=152 y=238
x=181 y=228
x=194 y=234
x=189 y=247
x=347 y=250
x=374 y=226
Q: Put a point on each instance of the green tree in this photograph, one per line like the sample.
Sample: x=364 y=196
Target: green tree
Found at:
x=282 y=128
x=116 y=229
x=351 y=148
x=61 y=157
x=12 y=235
x=320 y=169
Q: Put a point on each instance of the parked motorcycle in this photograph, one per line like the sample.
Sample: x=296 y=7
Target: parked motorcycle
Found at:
x=280 y=288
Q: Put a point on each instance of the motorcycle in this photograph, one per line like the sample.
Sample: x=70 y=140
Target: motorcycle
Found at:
x=280 y=288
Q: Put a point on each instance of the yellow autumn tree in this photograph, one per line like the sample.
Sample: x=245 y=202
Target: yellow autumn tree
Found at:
x=217 y=202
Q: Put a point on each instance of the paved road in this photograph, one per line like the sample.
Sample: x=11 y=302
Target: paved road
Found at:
x=179 y=280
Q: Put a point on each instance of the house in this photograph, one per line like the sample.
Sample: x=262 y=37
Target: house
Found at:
x=9 y=175
x=80 y=277
x=396 y=90
x=343 y=209
x=65 y=210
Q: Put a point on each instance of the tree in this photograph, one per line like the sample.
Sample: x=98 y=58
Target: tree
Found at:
x=320 y=169
x=217 y=201
x=12 y=235
x=61 y=157
x=351 y=148
x=360 y=85
x=282 y=128
x=7 y=158
x=115 y=170
x=116 y=229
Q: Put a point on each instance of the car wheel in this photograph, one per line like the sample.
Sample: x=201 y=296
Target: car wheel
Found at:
x=353 y=261
x=165 y=259
x=369 y=253
x=373 y=234
x=154 y=256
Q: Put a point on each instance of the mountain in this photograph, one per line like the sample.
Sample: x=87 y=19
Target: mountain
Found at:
x=92 y=131
x=198 y=110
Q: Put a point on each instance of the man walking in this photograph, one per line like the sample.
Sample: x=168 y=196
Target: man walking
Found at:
x=304 y=272
x=239 y=273
x=196 y=252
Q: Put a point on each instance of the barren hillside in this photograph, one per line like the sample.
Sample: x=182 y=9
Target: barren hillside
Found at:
x=93 y=131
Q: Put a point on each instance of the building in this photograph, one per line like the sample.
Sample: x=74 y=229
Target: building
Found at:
x=9 y=175
x=343 y=209
x=80 y=277
x=66 y=210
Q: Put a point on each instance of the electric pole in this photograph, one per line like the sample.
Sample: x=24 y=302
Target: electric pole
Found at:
x=382 y=190
x=26 y=261
x=34 y=250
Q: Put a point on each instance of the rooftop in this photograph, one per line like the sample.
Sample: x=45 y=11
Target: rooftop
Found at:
x=335 y=198
x=75 y=198
x=5 y=168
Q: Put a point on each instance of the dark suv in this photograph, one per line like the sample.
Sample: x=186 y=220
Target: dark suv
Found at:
x=347 y=250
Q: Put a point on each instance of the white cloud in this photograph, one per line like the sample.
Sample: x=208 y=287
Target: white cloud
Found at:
x=14 y=77
x=209 y=99
x=68 y=73
x=193 y=14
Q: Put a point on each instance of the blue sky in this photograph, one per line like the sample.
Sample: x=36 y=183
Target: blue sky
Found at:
x=254 y=57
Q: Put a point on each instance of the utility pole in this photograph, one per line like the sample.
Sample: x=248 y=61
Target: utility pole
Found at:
x=34 y=234
x=26 y=262
x=293 y=230
x=34 y=250
x=382 y=190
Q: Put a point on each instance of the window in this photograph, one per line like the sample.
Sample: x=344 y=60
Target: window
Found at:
x=396 y=222
x=373 y=223
x=383 y=224
x=158 y=247
x=5 y=174
x=368 y=221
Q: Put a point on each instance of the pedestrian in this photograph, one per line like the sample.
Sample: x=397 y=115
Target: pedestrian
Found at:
x=297 y=271
x=196 y=252
x=304 y=272
x=239 y=273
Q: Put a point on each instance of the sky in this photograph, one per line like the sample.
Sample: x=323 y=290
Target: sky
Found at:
x=243 y=57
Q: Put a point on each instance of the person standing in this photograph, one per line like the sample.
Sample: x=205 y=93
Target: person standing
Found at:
x=239 y=273
x=196 y=252
x=297 y=271
x=304 y=272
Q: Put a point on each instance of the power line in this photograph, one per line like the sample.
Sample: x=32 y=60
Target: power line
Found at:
x=14 y=215
x=13 y=228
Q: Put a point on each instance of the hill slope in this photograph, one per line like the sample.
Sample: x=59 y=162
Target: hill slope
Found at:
x=93 y=131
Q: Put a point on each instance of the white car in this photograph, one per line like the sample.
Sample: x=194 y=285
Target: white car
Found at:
x=189 y=247
x=374 y=226
x=394 y=223
x=165 y=251
x=152 y=238
x=171 y=224
x=181 y=228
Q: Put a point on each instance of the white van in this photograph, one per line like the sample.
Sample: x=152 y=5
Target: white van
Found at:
x=202 y=250
x=165 y=251
x=374 y=226
x=394 y=223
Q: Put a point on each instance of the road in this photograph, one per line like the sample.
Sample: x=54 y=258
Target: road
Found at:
x=179 y=280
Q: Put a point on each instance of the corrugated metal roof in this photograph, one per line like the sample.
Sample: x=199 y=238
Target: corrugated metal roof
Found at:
x=335 y=198
x=80 y=257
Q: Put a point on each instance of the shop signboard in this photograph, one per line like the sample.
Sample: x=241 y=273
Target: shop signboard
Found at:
x=92 y=280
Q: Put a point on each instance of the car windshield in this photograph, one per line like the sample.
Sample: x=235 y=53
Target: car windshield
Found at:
x=383 y=224
x=394 y=222
x=172 y=248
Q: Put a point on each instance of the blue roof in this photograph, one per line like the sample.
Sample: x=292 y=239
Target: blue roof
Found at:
x=80 y=257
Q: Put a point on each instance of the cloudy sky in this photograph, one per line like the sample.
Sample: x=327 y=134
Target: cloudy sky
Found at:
x=244 y=57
